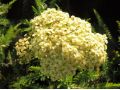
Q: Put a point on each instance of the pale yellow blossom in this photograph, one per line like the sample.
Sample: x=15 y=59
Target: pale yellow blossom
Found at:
x=63 y=44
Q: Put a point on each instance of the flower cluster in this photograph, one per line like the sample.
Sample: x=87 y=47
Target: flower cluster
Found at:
x=22 y=48
x=64 y=43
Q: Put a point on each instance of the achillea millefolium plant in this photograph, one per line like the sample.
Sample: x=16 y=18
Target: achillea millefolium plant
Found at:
x=63 y=44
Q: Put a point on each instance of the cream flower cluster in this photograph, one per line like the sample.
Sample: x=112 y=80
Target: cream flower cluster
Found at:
x=23 y=49
x=21 y=46
x=64 y=43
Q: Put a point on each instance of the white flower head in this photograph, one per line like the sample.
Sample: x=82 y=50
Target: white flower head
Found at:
x=65 y=43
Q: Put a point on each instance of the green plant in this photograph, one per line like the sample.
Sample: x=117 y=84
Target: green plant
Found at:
x=108 y=85
x=61 y=41
x=34 y=79
x=112 y=85
x=53 y=4
x=7 y=32
x=112 y=68
x=8 y=35
x=6 y=39
x=5 y=7
x=101 y=26
x=50 y=54
x=40 y=6
x=86 y=79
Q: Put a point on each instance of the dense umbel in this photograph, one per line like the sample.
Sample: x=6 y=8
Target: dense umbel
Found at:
x=63 y=44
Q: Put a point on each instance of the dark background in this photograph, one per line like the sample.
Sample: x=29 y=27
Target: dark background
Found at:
x=108 y=9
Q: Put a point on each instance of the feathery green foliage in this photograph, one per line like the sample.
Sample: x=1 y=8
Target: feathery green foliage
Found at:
x=31 y=80
x=40 y=6
x=53 y=3
x=7 y=31
x=101 y=26
x=6 y=39
x=5 y=7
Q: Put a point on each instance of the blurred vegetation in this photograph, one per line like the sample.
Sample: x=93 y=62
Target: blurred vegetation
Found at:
x=113 y=64
x=7 y=31
x=40 y=6
x=15 y=75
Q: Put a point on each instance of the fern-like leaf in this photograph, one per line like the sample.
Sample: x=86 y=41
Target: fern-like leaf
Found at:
x=40 y=6
x=5 y=7
x=102 y=27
